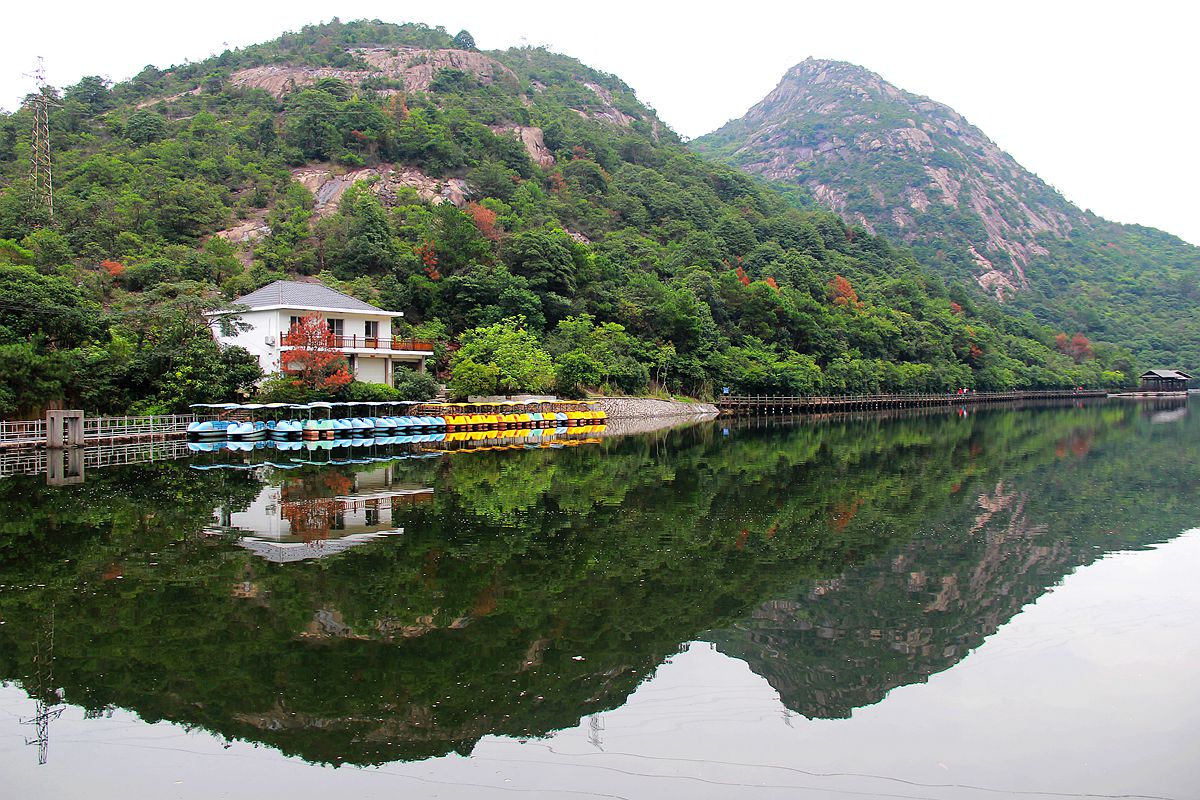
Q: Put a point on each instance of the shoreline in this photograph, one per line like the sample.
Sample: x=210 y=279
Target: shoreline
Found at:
x=652 y=408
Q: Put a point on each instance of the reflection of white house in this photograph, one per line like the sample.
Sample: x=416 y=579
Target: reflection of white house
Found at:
x=362 y=332
x=334 y=524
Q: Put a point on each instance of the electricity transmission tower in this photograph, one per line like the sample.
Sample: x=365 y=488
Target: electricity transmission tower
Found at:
x=43 y=661
x=40 y=171
x=596 y=731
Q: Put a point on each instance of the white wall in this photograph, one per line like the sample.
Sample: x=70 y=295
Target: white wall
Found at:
x=370 y=370
x=264 y=326
x=270 y=325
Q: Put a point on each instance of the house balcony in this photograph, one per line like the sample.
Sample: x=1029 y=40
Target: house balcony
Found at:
x=365 y=344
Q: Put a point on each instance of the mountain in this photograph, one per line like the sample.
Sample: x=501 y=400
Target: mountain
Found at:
x=915 y=170
x=465 y=188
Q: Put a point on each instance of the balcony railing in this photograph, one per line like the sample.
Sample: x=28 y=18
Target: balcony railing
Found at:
x=356 y=342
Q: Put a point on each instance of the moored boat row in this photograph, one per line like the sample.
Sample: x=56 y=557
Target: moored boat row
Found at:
x=283 y=422
x=441 y=442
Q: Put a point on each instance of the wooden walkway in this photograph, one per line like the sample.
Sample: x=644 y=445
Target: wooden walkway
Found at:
x=777 y=404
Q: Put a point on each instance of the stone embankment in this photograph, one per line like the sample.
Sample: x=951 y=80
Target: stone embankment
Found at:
x=650 y=408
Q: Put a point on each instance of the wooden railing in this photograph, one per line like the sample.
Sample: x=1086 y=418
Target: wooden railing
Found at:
x=355 y=341
x=868 y=401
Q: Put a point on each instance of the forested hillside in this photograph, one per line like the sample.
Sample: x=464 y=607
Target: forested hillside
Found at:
x=912 y=169
x=516 y=201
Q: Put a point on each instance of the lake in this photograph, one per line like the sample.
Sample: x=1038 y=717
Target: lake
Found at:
x=999 y=603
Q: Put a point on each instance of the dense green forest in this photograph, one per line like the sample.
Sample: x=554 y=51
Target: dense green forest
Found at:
x=533 y=587
x=616 y=261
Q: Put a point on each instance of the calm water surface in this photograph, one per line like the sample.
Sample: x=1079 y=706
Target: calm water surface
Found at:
x=998 y=605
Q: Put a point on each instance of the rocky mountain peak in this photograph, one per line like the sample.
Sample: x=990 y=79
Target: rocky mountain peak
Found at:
x=902 y=165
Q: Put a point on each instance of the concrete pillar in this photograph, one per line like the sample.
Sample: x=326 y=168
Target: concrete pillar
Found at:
x=421 y=366
x=64 y=472
x=64 y=428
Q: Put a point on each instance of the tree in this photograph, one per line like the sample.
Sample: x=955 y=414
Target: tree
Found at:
x=309 y=124
x=485 y=221
x=413 y=385
x=463 y=41
x=575 y=371
x=520 y=363
x=145 y=126
x=1078 y=347
x=472 y=378
x=546 y=258
x=366 y=246
x=484 y=295
x=312 y=359
x=91 y=93
x=841 y=293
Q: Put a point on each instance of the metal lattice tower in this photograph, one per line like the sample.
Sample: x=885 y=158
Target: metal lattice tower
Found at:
x=43 y=661
x=596 y=732
x=40 y=170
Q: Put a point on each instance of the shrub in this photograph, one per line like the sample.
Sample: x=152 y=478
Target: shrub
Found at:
x=413 y=385
x=369 y=392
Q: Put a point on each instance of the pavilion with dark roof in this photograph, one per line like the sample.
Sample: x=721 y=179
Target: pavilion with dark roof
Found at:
x=1165 y=380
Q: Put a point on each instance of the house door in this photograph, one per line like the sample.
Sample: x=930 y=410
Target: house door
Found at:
x=371 y=330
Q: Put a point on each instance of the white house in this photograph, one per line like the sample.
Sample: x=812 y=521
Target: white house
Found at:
x=359 y=330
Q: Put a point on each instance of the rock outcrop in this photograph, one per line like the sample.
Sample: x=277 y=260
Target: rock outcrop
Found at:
x=533 y=140
x=900 y=165
x=413 y=67
x=386 y=180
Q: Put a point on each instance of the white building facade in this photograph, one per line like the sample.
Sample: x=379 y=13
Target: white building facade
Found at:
x=360 y=331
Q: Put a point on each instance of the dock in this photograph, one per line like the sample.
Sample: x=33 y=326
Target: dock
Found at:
x=779 y=404
x=73 y=429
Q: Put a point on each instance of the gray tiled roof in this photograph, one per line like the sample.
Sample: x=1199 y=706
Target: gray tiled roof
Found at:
x=293 y=294
x=1166 y=373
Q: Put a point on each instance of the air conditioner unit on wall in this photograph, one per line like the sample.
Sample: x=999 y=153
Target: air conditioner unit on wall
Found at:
x=270 y=340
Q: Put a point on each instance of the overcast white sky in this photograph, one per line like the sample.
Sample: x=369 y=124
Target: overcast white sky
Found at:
x=1098 y=98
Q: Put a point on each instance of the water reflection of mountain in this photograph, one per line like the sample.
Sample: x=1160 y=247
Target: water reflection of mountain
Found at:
x=533 y=588
x=844 y=643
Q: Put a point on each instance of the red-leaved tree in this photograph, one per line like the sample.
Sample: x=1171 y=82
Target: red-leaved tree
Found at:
x=312 y=359
x=1077 y=347
x=485 y=221
x=842 y=293
x=427 y=252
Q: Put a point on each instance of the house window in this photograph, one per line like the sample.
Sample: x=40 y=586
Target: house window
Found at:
x=336 y=326
x=371 y=329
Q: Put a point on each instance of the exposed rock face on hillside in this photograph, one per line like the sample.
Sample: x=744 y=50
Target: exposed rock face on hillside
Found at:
x=900 y=165
x=413 y=69
x=385 y=181
x=412 y=66
x=534 y=143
